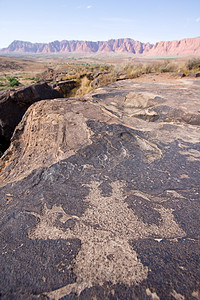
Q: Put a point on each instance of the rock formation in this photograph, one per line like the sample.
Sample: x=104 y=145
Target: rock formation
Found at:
x=115 y=46
x=190 y=46
x=176 y=48
x=14 y=104
x=65 y=87
x=98 y=202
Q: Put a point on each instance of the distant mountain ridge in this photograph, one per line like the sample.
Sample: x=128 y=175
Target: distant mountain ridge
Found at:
x=190 y=46
x=116 y=46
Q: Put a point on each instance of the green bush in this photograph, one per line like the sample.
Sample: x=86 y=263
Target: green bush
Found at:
x=13 y=81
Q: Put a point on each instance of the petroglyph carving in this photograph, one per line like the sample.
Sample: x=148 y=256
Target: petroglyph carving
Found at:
x=105 y=230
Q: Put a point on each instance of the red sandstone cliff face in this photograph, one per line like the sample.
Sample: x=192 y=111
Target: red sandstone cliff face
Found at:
x=115 y=46
x=182 y=47
x=175 y=48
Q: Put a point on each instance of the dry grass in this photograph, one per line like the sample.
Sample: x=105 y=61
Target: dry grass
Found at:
x=136 y=70
x=193 y=64
x=106 y=79
x=84 y=87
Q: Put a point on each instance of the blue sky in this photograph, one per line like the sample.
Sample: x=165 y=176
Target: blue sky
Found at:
x=146 y=21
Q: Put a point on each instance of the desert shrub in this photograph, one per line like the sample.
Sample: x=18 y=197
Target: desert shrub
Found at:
x=107 y=68
x=157 y=67
x=73 y=92
x=13 y=81
x=84 y=87
x=133 y=70
x=106 y=79
x=193 y=64
x=167 y=66
x=34 y=78
x=148 y=69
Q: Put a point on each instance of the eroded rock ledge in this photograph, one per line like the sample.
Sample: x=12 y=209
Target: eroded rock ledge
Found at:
x=99 y=203
x=13 y=105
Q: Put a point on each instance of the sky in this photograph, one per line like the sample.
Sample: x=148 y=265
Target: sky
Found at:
x=98 y=20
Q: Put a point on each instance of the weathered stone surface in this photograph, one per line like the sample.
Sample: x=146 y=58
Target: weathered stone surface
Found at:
x=65 y=87
x=178 y=74
x=48 y=75
x=93 y=75
x=152 y=101
x=195 y=75
x=95 y=83
x=122 y=77
x=98 y=204
x=14 y=105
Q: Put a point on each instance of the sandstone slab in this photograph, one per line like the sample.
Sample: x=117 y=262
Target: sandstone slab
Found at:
x=14 y=104
x=99 y=203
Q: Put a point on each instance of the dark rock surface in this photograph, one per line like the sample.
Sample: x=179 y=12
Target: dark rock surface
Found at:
x=99 y=204
x=65 y=87
x=178 y=74
x=195 y=75
x=14 y=105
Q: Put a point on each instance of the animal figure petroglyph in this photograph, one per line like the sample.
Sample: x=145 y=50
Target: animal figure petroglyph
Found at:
x=105 y=229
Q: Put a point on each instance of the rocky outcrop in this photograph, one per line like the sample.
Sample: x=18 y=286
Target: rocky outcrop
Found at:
x=189 y=46
x=48 y=75
x=195 y=75
x=65 y=87
x=14 y=104
x=99 y=204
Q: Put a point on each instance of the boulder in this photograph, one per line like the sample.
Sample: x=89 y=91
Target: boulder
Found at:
x=195 y=75
x=99 y=204
x=122 y=77
x=178 y=74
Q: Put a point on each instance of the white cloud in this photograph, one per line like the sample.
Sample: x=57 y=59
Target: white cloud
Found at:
x=89 y=6
x=198 y=20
